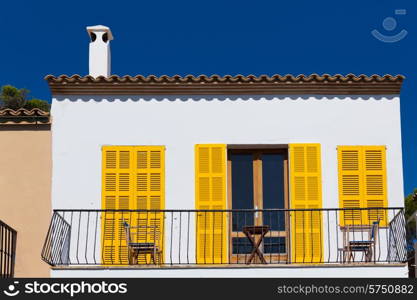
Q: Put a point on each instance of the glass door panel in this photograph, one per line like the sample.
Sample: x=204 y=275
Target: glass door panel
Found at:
x=242 y=190
x=273 y=197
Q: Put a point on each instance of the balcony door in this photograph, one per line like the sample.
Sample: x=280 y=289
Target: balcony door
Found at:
x=257 y=180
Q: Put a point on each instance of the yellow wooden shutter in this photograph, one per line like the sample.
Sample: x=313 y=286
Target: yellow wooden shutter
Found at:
x=350 y=162
x=362 y=184
x=306 y=193
x=117 y=193
x=149 y=174
x=133 y=178
x=210 y=186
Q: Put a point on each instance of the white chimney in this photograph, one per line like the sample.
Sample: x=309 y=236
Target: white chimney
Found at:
x=99 y=54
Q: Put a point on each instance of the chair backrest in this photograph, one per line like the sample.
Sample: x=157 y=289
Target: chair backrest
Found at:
x=143 y=234
x=374 y=229
x=126 y=227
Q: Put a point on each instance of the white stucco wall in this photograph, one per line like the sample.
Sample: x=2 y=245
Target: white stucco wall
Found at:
x=82 y=125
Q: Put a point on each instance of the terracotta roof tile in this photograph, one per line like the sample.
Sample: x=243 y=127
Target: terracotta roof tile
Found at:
x=24 y=116
x=215 y=84
x=23 y=112
x=226 y=78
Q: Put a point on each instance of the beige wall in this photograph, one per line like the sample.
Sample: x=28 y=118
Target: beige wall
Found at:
x=25 y=192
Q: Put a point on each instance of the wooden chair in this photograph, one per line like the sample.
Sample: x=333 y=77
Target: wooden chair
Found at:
x=367 y=247
x=137 y=238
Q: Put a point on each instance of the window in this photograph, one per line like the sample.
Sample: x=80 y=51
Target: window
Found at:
x=259 y=179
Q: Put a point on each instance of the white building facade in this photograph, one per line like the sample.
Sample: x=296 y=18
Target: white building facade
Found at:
x=173 y=176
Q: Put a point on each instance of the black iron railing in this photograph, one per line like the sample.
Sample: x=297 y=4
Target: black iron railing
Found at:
x=197 y=237
x=57 y=243
x=411 y=229
x=8 y=238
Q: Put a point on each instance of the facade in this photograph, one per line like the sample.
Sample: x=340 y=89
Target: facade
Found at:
x=25 y=187
x=182 y=176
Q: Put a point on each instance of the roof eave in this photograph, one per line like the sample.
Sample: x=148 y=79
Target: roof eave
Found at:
x=204 y=85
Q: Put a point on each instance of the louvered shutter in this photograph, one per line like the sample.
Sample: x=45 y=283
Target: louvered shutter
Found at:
x=210 y=185
x=375 y=189
x=362 y=184
x=306 y=193
x=133 y=178
x=117 y=193
x=350 y=162
x=149 y=174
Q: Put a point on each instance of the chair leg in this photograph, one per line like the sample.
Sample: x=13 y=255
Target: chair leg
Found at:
x=130 y=256
x=351 y=256
x=135 y=257
x=153 y=257
x=370 y=252
x=374 y=253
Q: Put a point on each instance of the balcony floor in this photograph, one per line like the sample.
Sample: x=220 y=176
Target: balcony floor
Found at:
x=228 y=266
x=368 y=270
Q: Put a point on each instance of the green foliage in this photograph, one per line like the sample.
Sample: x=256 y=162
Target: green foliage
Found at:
x=411 y=203
x=410 y=208
x=37 y=103
x=12 y=97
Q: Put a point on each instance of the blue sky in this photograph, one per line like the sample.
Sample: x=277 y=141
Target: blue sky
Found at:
x=215 y=37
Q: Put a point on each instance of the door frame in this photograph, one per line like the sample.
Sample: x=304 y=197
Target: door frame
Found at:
x=257 y=189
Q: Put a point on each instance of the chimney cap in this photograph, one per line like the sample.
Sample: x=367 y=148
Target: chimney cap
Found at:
x=96 y=28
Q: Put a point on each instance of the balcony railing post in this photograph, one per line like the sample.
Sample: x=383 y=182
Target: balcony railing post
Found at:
x=188 y=235
x=95 y=238
x=179 y=238
x=171 y=236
